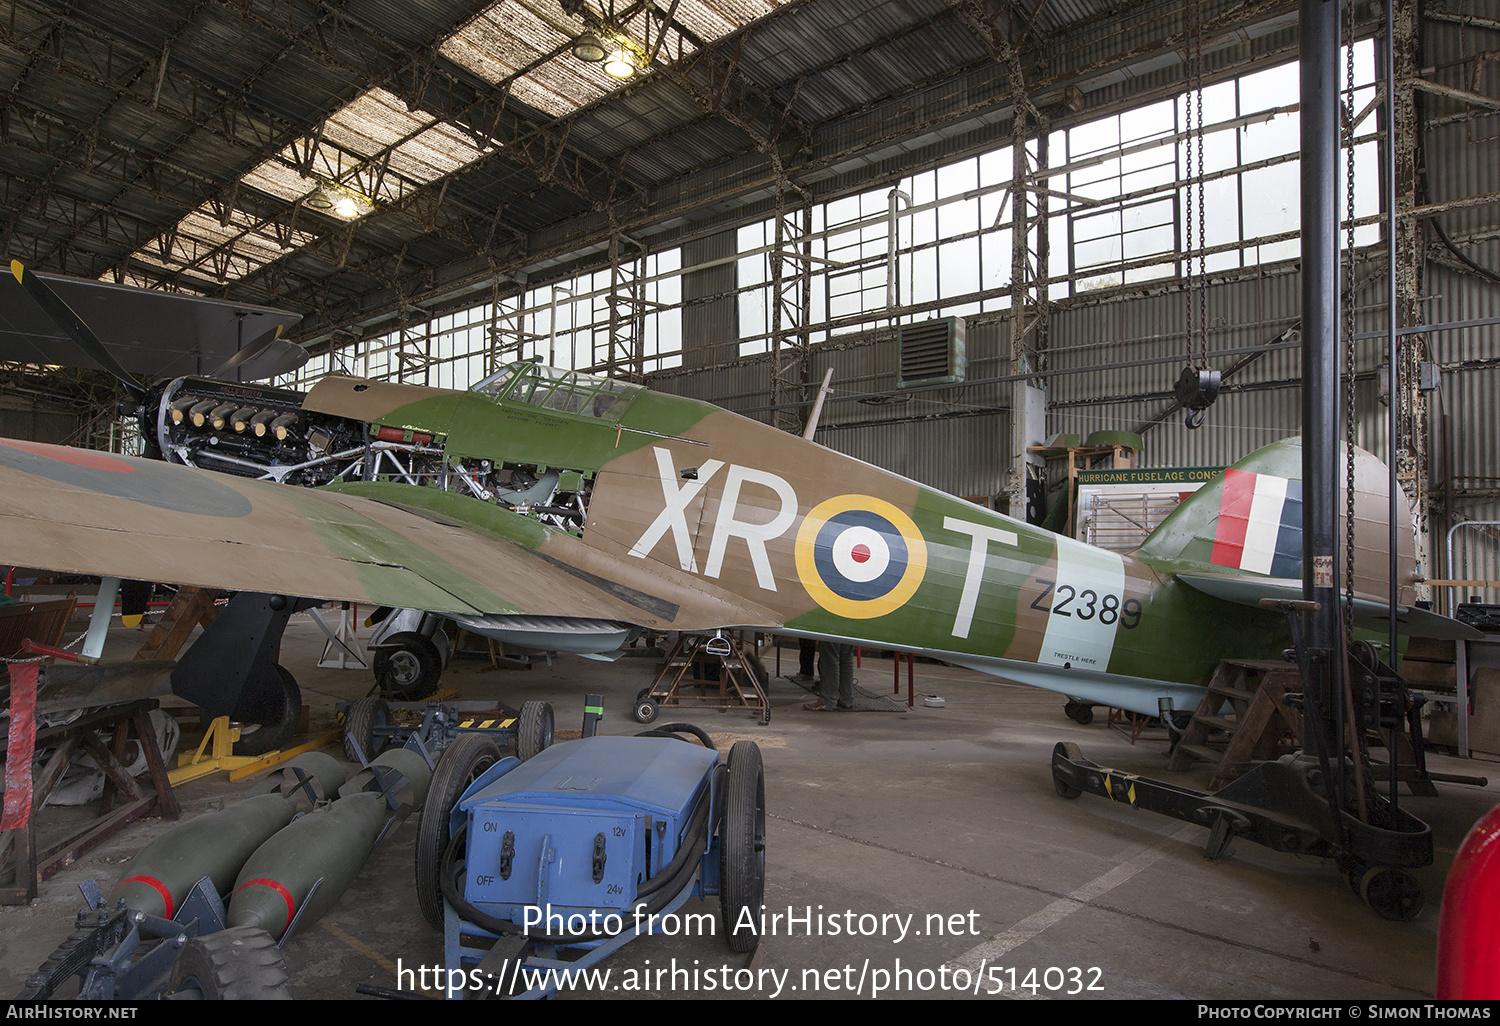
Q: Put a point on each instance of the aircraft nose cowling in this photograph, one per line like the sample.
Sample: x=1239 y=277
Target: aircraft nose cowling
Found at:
x=331 y=843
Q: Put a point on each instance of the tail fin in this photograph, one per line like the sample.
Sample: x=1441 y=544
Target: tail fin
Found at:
x=1250 y=522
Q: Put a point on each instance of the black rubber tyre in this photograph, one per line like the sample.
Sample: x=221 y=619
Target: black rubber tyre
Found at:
x=742 y=845
x=359 y=728
x=646 y=710
x=461 y=764
x=533 y=729
x=1084 y=716
x=408 y=671
x=1061 y=786
x=1393 y=893
x=268 y=716
x=242 y=964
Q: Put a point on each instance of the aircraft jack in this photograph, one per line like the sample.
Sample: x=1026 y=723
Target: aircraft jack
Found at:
x=1301 y=803
x=219 y=741
x=1280 y=805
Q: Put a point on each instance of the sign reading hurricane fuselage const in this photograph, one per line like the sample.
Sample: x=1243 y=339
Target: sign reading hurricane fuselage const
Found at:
x=550 y=496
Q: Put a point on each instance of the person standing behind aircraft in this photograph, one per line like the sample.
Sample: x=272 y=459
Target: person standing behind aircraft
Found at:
x=835 y=678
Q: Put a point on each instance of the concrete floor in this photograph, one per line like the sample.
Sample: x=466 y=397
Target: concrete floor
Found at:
x=944 y=813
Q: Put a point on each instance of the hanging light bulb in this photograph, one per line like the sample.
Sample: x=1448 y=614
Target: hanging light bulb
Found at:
x=589 y=48
x=345 y=206
x=620 y=64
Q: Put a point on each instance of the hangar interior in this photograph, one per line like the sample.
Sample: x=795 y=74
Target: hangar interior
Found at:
x=959 y=208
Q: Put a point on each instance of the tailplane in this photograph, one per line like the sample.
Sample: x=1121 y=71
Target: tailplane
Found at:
x=1249 y=523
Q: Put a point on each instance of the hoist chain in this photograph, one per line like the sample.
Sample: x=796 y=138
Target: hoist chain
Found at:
x=1348 y=312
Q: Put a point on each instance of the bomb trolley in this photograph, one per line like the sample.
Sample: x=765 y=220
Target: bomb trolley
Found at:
x=373 y=724
x=557 y=863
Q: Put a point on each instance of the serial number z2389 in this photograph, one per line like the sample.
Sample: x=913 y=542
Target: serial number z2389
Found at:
x=1067 y=600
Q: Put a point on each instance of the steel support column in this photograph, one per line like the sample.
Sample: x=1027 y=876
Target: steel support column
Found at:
x=1321 y=387
x=791 y=295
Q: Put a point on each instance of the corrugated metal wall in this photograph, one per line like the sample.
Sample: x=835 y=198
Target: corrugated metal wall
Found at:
x=1459 y=162
x=36 y=425
x=1115 y=362
x=953 y=438
x=710 y=315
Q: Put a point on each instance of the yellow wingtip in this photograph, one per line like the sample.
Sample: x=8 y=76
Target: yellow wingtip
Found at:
x=17 y=269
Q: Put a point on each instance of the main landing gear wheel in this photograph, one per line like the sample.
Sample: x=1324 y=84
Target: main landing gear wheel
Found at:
x=462 y=763
x=409 y=670
x=1393 y=893
x=645 y=707
x=268 y=713
x=533 y=729
x=742 y=846
x=359 y=728
x=1073 y=753
x=232 y=965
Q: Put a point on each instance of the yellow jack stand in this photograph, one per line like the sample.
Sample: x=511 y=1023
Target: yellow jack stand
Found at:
x=221 y=756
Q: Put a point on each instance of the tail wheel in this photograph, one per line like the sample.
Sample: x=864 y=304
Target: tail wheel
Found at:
x=268 y=712
x=742 y=846
x=533 y=729
x=232 y=965
x=462 y=763
x=359 y=729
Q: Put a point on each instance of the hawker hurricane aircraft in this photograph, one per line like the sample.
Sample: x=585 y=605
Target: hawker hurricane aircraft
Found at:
x=548 y=500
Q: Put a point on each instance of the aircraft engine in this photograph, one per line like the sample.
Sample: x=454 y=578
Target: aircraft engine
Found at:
x=269 y=433
x=249 y=431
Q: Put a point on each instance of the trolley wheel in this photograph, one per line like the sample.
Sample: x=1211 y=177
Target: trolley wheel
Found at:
x=409 y=671
x=742 y=845
x=533 y=729
x=461 y=764
x=359 y=729
x=646 y=710
x=232 y=965
x=268 y=712
x=1393 y=893
x=1059 y=783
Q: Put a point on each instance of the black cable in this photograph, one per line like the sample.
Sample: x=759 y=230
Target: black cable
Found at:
x=670 y=730
x=1483 y=272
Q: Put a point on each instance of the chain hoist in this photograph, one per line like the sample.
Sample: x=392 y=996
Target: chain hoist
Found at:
x=1198 y=385
x=1348 y=318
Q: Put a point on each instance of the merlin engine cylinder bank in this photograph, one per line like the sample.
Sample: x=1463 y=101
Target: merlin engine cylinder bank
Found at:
x=317 y=439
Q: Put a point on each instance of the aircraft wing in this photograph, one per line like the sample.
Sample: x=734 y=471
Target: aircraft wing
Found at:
x=1248 y=591
x=78 y=511
x=152 y=334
